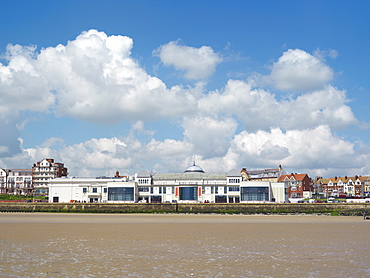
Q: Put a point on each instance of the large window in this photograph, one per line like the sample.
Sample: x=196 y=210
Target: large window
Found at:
x=188 y=193
x=254 y=193
x=220 y=199
x=120 y=194
x=234 y=180
x=143 y=189
x=234 y=188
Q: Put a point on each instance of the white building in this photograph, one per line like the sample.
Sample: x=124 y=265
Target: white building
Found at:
x=263 y=191
x=191 y=186
x=194 y=185
x=91 y=190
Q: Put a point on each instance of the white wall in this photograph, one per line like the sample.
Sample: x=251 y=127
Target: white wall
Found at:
x=279 y=192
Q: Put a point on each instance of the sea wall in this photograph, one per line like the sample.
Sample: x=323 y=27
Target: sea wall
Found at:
x=260 y=208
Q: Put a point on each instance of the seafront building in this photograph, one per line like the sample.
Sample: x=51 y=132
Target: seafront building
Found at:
x=191 y=186
x=16 y=181
x=356 y=186
x=92 y=190
x=300 y=185
x=271 y=175
x=31 y=181
x=45 y=170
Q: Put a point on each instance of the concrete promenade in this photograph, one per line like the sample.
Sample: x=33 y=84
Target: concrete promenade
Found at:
x=353 y=209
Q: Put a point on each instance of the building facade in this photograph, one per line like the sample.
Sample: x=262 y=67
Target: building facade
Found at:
x=45 y=170
x=300 y=185
x=16 y=181
x=271 y=175
x=92 y=190
x=191 y=186
x=263 y=191
x=356 y=186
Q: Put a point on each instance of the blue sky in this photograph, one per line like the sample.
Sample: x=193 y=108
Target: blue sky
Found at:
x=130 y=85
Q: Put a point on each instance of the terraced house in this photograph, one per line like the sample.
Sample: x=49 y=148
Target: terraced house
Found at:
x=346 y=186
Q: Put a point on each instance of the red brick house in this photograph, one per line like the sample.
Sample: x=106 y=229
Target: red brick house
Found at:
x=298 y=184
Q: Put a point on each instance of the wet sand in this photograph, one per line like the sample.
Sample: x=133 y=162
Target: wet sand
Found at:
x=167 y=245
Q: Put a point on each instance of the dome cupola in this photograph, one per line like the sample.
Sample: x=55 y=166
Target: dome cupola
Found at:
x=194 y=169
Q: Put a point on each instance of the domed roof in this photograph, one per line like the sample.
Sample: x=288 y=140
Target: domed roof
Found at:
x=143 y=174
x=194 y=169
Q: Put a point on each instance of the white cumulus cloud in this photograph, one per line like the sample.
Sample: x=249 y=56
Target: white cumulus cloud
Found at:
x=297 y=70
x=91 y=78
x=197 y=63
x=94 y=78
x=316 y=148
x=22 y=87
x=260 y=109
x=209 y=135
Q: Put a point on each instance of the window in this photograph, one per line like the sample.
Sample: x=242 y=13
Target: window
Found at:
x=254 y=193
x=84 y=190
x=95 y=190
x=234 y=188
x=188 y=193
x=121 y=194
x=143 y=181
x=234 y=180
x=143 y=189
x=105 y=190
x=220 y=199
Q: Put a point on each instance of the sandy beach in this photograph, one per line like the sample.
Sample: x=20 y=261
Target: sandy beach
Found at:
x=168 y=245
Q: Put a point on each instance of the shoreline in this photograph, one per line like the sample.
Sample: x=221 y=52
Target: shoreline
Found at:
x=182 y=245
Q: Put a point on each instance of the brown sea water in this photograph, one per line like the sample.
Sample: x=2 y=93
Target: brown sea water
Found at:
x=143 y=245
